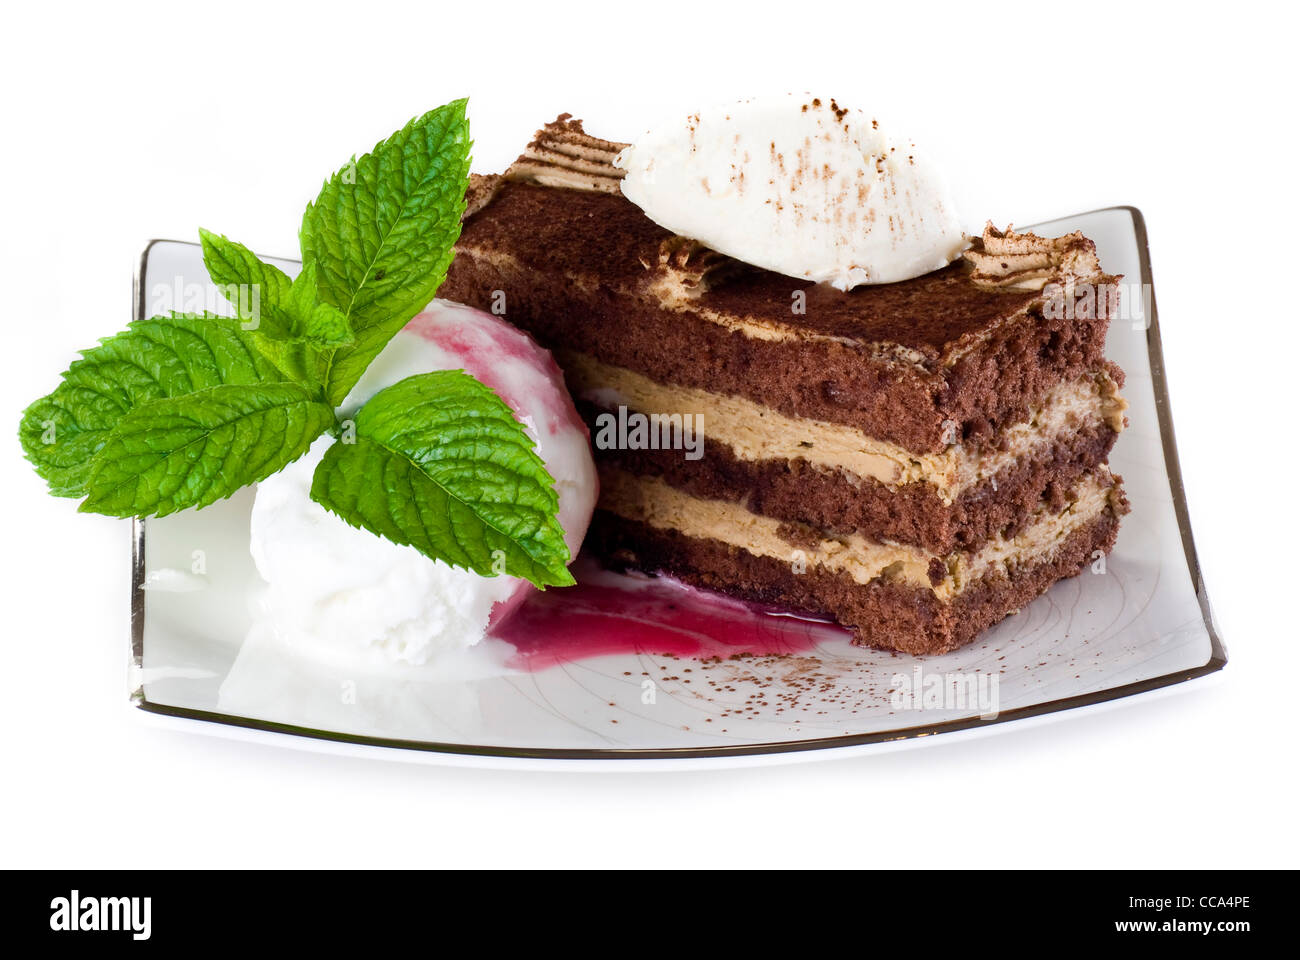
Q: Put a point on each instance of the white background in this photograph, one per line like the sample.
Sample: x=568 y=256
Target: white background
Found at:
x=124 y=124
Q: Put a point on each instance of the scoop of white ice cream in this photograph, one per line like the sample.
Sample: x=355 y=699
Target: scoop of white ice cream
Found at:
x=798 y=185
x=337 y=592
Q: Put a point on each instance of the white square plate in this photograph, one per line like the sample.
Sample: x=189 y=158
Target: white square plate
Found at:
x=1142 y=624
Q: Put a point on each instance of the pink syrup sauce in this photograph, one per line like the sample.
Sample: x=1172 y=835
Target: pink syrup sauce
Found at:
x=504 y=358
x=610 y=613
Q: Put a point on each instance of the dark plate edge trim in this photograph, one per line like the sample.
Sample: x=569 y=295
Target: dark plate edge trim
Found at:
x=1164 y=415
x=1218 y=654
x=135 y=673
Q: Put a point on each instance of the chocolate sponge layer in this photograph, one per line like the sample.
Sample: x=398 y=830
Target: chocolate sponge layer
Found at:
x=888 y=615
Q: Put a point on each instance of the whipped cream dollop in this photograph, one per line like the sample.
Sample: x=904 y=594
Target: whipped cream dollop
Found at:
x=799 y=185
x=339 y=594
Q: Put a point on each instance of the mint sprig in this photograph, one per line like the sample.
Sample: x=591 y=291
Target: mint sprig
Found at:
x=181 y=411
x=440 y=463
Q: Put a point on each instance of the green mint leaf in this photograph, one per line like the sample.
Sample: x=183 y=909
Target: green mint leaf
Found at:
x=327 y=327
x=381 y=234
x=301 y=298
x=164 y=356
x=296 y=359
x=255 y=288
x=321 y=324
x=190 y=451
x=440 y=463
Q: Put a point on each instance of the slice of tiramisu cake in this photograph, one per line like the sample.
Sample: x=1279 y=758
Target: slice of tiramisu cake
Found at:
x=803 y=391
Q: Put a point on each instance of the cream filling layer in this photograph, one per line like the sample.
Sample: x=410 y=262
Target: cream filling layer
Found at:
x=652 y=501
x=754 y=432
